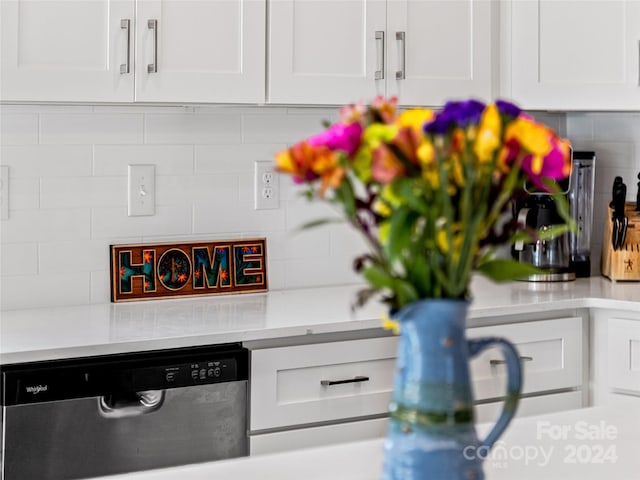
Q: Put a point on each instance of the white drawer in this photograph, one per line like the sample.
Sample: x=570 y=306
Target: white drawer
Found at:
x=287 y=389
x=318 y=436
x=624 y=355
x=551 y=352
x=556 y=402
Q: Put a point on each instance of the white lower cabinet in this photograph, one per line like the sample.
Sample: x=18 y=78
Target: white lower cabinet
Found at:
x=624 y=355
x=550 y=351
x=321 y=382
x=317 y=436
x=554 y=402
x=325 y=393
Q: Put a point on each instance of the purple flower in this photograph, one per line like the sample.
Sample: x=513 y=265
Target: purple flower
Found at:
x=508 y=108
x=461 y=114
x=340 y=136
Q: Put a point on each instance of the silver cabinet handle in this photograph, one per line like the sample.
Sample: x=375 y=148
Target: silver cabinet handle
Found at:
x=153 y=25
x=401 y=37
x=357 y=379
x=379 y=73
x=125 y=24
x=502 y=362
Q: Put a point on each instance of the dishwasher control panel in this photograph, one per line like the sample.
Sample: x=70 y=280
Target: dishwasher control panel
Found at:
x=126 y=373
x=185 y=374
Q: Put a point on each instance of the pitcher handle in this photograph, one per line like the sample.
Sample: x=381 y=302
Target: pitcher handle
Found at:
x=514 y=382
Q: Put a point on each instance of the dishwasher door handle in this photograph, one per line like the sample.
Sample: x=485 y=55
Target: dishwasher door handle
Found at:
x=131 y=404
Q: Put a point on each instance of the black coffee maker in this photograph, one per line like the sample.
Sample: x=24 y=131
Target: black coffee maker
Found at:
x=566 y=255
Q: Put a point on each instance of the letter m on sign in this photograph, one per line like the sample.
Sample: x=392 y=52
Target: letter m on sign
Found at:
x=211 y=270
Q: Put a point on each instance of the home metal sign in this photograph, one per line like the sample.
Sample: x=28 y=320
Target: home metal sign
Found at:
x=161 y=270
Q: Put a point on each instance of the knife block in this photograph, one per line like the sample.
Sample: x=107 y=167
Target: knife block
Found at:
x=622 y=264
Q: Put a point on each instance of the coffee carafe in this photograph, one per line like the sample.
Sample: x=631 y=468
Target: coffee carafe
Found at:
x=566 y=255
x=551 y=253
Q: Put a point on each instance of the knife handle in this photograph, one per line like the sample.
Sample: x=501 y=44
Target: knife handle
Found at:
x=638 y=196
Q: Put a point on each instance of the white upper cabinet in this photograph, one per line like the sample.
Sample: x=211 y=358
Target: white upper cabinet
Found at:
x=575 y=55
x=200 y=51
x=340 y=51
x=439 y=50
x=95 y=50
x=65 y=50
x=326 y=51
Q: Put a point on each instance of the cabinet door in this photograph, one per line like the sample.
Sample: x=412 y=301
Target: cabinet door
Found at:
x=200 y=51
x=569 y=54
x=446 y=52
x=67 y=50
x=326 y=51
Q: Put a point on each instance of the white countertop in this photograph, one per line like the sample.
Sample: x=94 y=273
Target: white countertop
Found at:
x=586 y=444
x=77 y=331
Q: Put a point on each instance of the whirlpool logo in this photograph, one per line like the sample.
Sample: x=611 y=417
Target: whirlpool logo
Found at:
x=35 y=389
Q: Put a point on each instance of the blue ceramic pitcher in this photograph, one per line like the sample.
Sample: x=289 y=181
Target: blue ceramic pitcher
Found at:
x=431 y=430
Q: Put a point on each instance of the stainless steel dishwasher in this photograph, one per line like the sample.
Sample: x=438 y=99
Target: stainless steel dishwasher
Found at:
x=104 y=415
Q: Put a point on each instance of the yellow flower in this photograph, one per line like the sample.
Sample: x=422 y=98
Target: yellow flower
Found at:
x=533 y=137
x=415 y=119
x=488 y=137
x=389 y=324
x=426 y=153
x=378 y=133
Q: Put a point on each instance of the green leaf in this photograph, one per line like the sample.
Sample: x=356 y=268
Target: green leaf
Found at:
x=319 y=222
x=377 y=277
x=405 y=292
x=409 y=192
x=346 y=197
x=400 y=231
x=502 y=270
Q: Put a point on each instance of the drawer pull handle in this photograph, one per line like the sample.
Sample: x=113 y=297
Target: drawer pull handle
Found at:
x=358 y=379
x=379 y=73
x=153 y=25
x=125 y=24
x=502 y=362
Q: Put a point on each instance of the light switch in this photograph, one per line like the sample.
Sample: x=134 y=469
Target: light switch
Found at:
x=142 y=190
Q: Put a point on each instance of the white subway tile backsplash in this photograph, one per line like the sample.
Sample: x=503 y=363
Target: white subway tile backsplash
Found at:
x=168 y=159
x=33 y=291
x=213 y=190
x=114 y=222
x=233 y=158
x=68 y=168
x=18 y=129
x=580 y=127
x=609 y=154
x=73 y=191
x=309 y=243
x=345 y=241
x=192 y=129
x=73 y=257
x=100 y=286
x=279 y=128
x=90 y=128
x=25 y=226
x=307 y=272
x=47 y=160
x=19 y=259
x=235 y=218
x=24 y=193
x=616 y=127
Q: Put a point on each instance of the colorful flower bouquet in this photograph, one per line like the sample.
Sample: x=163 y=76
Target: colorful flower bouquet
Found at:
x=430 y=192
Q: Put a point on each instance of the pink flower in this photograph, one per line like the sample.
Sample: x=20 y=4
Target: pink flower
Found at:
x=385 y=166
x=554 y=165
x=340 y=136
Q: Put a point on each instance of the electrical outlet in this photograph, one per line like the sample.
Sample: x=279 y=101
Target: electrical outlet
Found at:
x=4 y=193
x=266 y=186
x=142 y=190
